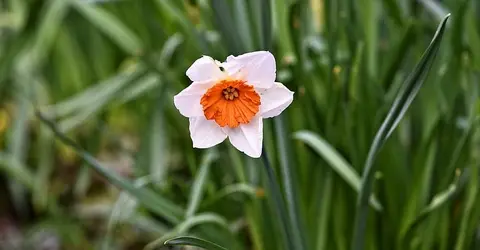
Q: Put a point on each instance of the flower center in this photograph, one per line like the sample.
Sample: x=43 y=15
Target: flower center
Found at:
x=230 y=93
x=230 y=103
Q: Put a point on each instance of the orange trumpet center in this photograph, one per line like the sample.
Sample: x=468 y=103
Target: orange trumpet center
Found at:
x=230 y=102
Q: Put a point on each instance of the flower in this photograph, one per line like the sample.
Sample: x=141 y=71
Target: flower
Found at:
x=230 y=99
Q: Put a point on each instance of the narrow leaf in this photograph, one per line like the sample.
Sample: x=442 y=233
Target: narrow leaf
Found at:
x=199 y=183
x=223 y=15
x=111 y=26
x=185 y=226
x=397 y=111
x=336 y=161
x=244 y=188
x=438 y=201
x=290 y=186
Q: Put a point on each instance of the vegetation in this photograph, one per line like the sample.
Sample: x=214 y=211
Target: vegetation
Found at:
x=94 y=155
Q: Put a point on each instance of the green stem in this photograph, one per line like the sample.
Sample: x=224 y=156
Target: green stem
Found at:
x=289 y=184
x=274 y=191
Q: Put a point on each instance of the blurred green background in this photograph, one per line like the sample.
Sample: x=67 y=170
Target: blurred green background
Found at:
x=105 y=72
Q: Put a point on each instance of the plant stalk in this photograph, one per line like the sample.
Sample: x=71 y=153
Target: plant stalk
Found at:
x=279 y=203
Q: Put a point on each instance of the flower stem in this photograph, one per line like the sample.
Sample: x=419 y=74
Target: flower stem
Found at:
x=279 y=204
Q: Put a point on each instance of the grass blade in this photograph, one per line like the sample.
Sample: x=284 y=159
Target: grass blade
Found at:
x=397 y=111
x=336 y=161
x=193 y=241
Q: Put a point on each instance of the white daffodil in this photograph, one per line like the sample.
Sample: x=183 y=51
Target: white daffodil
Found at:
x=230 y=99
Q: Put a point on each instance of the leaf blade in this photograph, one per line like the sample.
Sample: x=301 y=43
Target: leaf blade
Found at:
x=395 y=114
x=199 y=183
x=111 y=26
x=193 y=241
x=336 y=161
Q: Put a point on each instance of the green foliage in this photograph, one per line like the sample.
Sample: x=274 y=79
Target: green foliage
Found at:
x=109 y=164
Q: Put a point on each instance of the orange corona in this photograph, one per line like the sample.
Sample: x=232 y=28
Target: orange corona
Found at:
x=230 y=103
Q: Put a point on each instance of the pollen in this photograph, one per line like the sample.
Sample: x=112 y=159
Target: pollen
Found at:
x=230 y=103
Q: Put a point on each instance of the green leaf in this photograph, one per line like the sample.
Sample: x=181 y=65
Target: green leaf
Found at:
x=111 y=26
x=393 y=9
x=148 y=198
x=54 y=13
x=156 y=134
x=324 y=215
x=16 y=170
x=438 y=201
x=123 y=209
x=185 y=226
x=229 y=190
x=223 y=15
x=97 y=93
x=192 y=241
x=336 y=161
x=290 y=186
x=45 y=162
x=18 y=140
x=260 y=14
x=403 y=100
x=473 y=37
x=278 y=203
x=168 y=8
x=95 y=102
x=199 y=183
x=243 y=23
x=435 y=8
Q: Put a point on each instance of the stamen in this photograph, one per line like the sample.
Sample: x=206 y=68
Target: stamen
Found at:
x=230 y=93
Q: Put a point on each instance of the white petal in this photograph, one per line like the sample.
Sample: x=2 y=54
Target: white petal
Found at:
x=248 y=137
x=205 y=133
x=274 y=100
x=188 y=101
x=204 y=69
x=257 y=68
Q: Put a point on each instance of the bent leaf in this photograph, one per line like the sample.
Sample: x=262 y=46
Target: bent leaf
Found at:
x=192 y=241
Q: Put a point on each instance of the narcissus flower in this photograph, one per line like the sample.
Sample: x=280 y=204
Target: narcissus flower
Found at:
x=230 y=99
